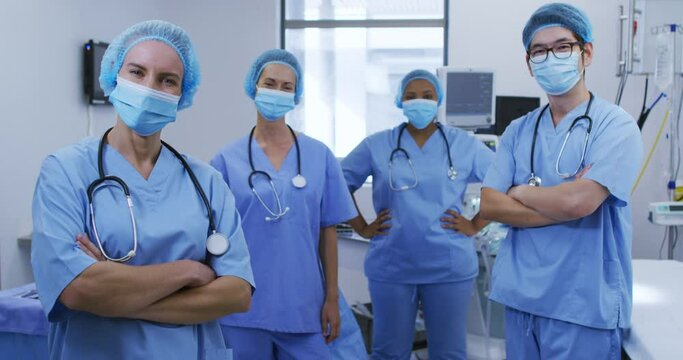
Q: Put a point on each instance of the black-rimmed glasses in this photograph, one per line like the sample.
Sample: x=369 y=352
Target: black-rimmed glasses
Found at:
x=538 y=55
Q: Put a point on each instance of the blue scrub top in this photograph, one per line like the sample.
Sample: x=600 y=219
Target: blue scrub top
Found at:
x=172 y=224
x=417 y=250
x=285 y=252
x=577 y=271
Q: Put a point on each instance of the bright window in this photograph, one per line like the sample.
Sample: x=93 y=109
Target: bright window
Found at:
x=354 y=53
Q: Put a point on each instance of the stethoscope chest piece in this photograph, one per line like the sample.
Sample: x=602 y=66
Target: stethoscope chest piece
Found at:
x=217 y=244
x=452 y=173
x=534 y=181
x=299 y=181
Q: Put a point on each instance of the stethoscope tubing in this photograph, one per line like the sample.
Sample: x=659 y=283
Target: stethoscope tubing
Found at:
x=535 y=180
x=104 y=178
x=398 y=149
x=280 y=211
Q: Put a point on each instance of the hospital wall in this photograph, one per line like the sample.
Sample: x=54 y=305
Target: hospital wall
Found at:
x=43 y=108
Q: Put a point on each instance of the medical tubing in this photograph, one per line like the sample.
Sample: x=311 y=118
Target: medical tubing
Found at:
x=661 y=245
x=296 y=143
x=448 y=146
x=400 y=132
x=680 y=104
x=583 y=153
x=621 y=80
x=399 y=149
x=100 y=168
x=443 y=135
x=131 y=253
x=197 y=186
x=647 y=82
x=646 y=113
x=533 y=141
x=135 y=227
x=677 y=119
x=251 y=138
x=622 y=86
x=642 y=116
x=102 y=178
x=277 y=200
x=661 y=95
x=652 y=150
x=538 y=121
x=100 y=151
x=675 y=242
x=391 y=172
x=298 y=151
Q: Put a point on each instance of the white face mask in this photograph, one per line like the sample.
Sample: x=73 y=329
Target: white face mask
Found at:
x=145 y=111
x=273 y=104
x=557 y=76
x=420 y=112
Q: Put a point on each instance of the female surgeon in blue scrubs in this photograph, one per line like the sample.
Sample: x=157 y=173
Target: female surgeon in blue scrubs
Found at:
x=291 y=193
x=159 y=293
x=420 y=248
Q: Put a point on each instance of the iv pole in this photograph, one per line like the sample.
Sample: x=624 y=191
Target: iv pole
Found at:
x=625 y=68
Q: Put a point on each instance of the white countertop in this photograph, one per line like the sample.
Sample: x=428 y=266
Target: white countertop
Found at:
x=657 y=320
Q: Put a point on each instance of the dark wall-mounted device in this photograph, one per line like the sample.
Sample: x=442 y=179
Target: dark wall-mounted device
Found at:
x=92 y=58
x=509 y=108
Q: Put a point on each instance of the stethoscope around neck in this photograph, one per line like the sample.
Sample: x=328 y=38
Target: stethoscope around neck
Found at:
x=299 y=181
x=216 y=243
x=535 y=180
x=452 y=173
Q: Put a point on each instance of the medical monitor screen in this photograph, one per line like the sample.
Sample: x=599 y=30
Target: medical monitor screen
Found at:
x=469 y=93
x=468 y=101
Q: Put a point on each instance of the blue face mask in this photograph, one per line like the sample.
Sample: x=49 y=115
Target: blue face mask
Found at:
x=145 y=111
x=420 y=112
x=273 y=104
x=557 y=76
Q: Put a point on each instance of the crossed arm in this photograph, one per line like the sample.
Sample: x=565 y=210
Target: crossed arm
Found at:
x=528 y=206
x=179 y=292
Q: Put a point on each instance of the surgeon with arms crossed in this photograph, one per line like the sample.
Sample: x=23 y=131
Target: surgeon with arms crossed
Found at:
x=561 y=179
x=164 y=263
x=291 y=193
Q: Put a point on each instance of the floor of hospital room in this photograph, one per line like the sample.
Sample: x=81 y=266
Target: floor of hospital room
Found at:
x=476 y=349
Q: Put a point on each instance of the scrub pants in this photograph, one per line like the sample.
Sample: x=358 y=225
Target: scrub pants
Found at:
x=531 y=337
x=260 y=344
x=394 y=307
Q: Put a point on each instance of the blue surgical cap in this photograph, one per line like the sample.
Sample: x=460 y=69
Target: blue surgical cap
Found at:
x=274 y=56
x=418 y=74
x=172 y=35
x=557 y=14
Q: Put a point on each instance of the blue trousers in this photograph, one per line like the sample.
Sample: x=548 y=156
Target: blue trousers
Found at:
x=259 y=344
x=394 y=307
x=530 y=337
